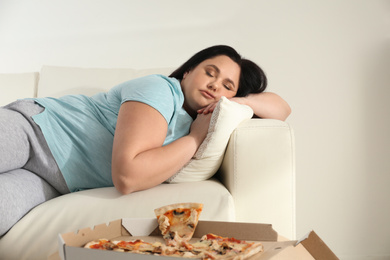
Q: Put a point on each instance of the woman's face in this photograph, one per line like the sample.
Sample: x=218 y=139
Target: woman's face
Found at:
x=208 y=82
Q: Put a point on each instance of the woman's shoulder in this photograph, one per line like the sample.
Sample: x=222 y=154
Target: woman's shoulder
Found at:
x=151 y=80
x=158 y=83
x=151 y=86
x=162 y=78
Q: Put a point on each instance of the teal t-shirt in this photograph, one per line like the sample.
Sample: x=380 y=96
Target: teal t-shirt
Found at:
x=80 y=130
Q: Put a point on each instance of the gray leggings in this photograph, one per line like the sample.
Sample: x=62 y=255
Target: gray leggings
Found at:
x=29 y=174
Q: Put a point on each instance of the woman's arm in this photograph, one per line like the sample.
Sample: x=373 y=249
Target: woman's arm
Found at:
x=266 y=105
x=139 y=161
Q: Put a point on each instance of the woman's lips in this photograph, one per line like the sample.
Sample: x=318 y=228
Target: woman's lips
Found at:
x=207 y=94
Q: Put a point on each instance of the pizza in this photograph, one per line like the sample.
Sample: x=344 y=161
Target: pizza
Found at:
x=177 y=223
x=135 y=246
x=212 y=246
x=209 y=247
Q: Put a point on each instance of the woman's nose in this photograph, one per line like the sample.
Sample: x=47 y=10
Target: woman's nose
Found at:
x=212 y=85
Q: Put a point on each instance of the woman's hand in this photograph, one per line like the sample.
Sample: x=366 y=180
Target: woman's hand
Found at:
x=208 y=109
x=200 y=127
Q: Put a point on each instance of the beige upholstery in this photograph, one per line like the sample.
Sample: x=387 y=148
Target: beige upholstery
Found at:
x=258 y=170
x=91 y=207
x=256 y=182
x=18 y=85
x=59 y=81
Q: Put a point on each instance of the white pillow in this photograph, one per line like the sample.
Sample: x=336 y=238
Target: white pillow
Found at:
x=207 y=160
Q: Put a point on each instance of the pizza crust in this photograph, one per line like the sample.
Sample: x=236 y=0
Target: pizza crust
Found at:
x=162 y=210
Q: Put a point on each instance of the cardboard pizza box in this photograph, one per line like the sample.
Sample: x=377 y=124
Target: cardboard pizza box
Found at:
x=275 y=247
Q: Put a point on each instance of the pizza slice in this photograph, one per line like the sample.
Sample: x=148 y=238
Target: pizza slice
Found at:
x=177 y=222
x=102 y=244
x=133 y=246
x=141 y=247
x=212 y=246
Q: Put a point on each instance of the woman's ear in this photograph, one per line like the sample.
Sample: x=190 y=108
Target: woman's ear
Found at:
x=185 y=74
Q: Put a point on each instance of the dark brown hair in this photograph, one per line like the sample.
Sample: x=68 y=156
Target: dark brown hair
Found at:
x=252 y=77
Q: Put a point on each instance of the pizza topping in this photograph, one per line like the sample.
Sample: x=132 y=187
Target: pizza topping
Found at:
x=102 y=244
x=219 y=238
x=131 y=245
x=178 y=213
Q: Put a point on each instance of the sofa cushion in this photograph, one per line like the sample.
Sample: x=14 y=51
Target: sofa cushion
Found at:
x=207 y=160
x=59 y=81
x=16 y=86
x=87 y=208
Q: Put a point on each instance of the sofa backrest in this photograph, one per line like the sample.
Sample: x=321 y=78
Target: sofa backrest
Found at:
x=60 y=81
x=55 y=81
x=16 y=86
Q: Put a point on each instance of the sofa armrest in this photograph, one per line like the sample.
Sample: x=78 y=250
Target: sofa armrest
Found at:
x=259 y=171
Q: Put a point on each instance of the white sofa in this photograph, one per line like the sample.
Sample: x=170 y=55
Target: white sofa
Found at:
x=255 y=183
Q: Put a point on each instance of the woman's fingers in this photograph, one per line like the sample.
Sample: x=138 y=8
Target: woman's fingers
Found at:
x=208 y=109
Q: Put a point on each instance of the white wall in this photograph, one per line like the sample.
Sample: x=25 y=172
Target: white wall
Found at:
x=329 y=59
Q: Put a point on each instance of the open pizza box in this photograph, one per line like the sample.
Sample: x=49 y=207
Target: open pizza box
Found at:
x=275 y=247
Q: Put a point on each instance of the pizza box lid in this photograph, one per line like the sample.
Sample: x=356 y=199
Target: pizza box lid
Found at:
x=275 y=247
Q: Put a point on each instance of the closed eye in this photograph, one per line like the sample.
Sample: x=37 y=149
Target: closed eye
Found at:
x=213 y=71
x=209 y=73
x=228 y=86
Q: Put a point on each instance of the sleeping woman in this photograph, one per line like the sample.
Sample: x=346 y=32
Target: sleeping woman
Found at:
x=133 y=137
